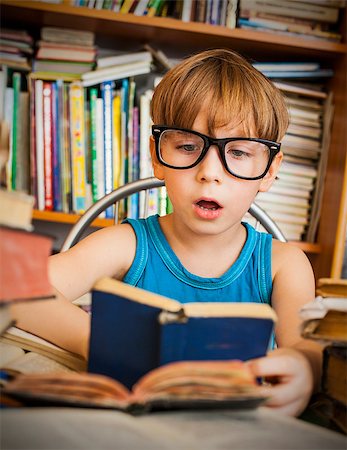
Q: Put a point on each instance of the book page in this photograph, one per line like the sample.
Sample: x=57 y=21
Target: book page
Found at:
x=31 y=342
x=34 y=363
x=135 y=294
x=9 y=353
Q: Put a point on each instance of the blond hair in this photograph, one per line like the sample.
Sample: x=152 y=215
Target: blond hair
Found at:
x=231 y=89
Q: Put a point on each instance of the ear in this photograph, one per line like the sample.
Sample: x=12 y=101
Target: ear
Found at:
x=270 y=177
x=157 y=167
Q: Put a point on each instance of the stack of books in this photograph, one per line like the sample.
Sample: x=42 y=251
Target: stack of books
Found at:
x=118 y=66
x=65 y=51
x=307 y=19
x=16 y=49
x=294 y=200
x=325 y=320
x=23 y=277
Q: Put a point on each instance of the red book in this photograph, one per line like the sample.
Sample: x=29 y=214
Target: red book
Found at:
x=24 y=276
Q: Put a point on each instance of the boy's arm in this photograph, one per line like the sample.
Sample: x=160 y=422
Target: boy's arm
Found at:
x=293 y=287
x=56 y=320
x=108 y=252
x=296 y=365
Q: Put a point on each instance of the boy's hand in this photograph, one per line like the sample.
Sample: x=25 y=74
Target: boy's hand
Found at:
x=289 y=380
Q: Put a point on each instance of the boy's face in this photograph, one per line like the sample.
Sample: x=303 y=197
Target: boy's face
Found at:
x=206 y=197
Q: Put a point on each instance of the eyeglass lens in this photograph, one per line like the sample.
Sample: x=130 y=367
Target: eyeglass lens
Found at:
x=244 y=158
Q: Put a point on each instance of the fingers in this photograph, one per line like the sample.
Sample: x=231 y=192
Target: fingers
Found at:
x=289 y=380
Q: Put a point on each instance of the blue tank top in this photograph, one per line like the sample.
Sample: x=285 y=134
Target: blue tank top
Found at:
x=156 y=268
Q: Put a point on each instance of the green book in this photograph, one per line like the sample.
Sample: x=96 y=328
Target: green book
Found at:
x=16 y=83
x=93 y=94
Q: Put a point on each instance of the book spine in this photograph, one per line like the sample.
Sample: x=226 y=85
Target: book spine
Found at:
x=40 y=167
x=33 y=172
x=93 y=94
x=60 y=142
x=107 y=96
x=66 y=157
x=23 y=144
x=47 y=142
x=124 y=134
x=117 y=164
x=100 y=147
x=16 y=80
x=56 y=163
x=77 y=147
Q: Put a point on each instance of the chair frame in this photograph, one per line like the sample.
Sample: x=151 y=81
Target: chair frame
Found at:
x=128 y=189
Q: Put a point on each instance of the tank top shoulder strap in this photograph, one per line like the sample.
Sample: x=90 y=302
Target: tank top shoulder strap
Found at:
x=141 y=256
x=264 y=250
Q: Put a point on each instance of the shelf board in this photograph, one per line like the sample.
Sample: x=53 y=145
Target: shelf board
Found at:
x=58 y=217
x=166 y=31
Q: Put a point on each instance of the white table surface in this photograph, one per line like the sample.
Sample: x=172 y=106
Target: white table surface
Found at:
x=69 y=428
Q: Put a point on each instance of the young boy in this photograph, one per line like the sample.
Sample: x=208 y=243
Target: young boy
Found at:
x=218 y=122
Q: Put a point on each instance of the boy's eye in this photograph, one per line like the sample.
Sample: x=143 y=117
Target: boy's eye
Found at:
x=238 y=153
x=188 y=147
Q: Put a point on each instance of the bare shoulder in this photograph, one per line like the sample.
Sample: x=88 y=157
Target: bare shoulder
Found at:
x=108 y=252
x=114 y=246
x=286 y=255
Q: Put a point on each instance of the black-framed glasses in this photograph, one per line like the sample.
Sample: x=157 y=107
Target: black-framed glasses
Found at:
x=246 y=158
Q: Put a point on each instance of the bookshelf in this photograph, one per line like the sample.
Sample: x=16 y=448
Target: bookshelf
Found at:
x=182 y=38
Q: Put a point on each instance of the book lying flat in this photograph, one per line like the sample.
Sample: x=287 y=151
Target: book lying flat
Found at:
x=16 y=209
x=332 y=287
x=134 y=331
x=16 y=360
x=325 y=319
x=179 y=385
x=27 y=341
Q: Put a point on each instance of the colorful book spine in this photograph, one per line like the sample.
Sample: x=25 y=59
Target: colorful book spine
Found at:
x=47 y=143
x=78 y=151
x=107 y=96
x=56 y=163
x=93 y=95
x=116 y=141
x=66 y=153
x=100 y=147
x=16 y=83
x=124 y=122
x=33 y=172
x=40 y=168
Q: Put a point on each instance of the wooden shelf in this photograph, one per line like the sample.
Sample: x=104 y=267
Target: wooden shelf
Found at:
x=58 y=217
x=166 y=31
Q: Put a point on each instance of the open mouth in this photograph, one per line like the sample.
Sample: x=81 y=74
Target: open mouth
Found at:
x=208 y=205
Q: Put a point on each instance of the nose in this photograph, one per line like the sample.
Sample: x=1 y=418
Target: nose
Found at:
x=211 y=167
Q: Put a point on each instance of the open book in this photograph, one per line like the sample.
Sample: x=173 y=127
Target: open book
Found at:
x=191 y=384
x=134 y=331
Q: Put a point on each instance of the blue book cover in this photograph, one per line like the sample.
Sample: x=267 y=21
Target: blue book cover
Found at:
x=134 y=331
